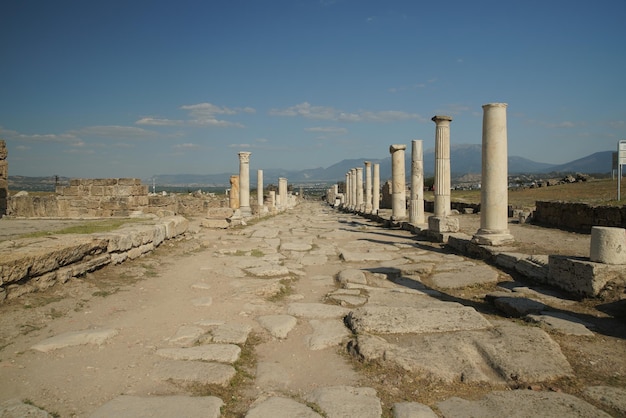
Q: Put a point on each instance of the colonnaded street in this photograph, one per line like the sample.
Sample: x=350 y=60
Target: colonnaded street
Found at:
x=309 y=313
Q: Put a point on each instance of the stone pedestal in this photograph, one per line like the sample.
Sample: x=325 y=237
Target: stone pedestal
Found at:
x=233 y=196
x=272 y=199
x=494 y=211
x=359 y=189
x=368 y=187
x=443 y=223
x=608 y=245
x=244 y=183
x=398 y=179
x=416 y=214
x=376 y=189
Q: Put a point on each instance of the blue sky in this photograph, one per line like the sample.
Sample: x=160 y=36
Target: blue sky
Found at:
x=135 y=88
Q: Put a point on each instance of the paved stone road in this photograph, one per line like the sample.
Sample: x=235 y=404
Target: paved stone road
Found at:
x=304 y=285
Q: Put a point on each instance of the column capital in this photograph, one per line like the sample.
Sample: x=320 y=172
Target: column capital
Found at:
x=367 y=163
x=244 y=156
x=396 y=147
x=441 y=118
x=487 y=105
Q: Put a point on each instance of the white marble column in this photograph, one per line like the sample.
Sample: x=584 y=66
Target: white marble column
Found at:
x=282 y=193
x=259 y=189
x=376 y=189
x=494 y=212
x=442 y=165
x=368 y=186
x=233 y=197
x=398 y=182
x=244 y=183
x=346 y=191
x=441 y=221
x=416 y=215
x=353 y=188
x=359 y=189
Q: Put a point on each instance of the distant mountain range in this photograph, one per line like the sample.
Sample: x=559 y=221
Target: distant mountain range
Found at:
x=464 y=159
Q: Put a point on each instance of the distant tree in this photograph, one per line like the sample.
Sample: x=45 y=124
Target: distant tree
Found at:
x=272 y=188
x=341 y=187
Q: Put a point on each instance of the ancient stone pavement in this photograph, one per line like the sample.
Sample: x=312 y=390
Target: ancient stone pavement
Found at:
x=309 y=313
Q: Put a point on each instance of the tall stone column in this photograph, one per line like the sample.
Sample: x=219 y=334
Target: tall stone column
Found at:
x=282 y=193
x=368 y=186
x=244 y=183
x=416 y=215
x=259 y=189
x=4 y=179
x=376 y=189
x=354 y=188
x=442 y=165
x=398 y=182
x=494 y=212
x=233 y=197
x=346 y=192
x=441 y=221
x=359 y=189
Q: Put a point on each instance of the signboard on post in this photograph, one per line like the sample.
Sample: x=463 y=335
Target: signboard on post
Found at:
x=621 y=161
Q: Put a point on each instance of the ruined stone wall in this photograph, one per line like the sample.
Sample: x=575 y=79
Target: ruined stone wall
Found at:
x=578 y=216
x=4 y=178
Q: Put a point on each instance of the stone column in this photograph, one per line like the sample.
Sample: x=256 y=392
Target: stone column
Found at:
x=376 y=189
x=494 y=212
x=416 y=216
x=368 y=186
x=244 y=183
x=398 y=179
x=4 y=179
x=259 y=189
x=608 y=245
x=359 y=189
x=282 y=193
x=353 y=188
x=273 y=199
x=233 y=197
x=348 y=190
x=442 y=165
x=441 y=221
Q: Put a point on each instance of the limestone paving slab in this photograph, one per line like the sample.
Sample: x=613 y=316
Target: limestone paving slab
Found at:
x=472 y=275
x=231 y=333
x=72 y=338
x=612 y=397
x=316 y=310
x=186 y=335
x=222 y=353
x=403 y=297
x=204 y=301
x=272 y=376
x=518 y=404
x=505 y=354
x=347 y=401
x=295 y=246
x=278 y=325
x=562 y=323
x=186 y=372
x=126 y=406
x=268 y=271
x=518 y=306
x=402 y=320
x=326 y=333
x=14 y=408
x=351 y=276
x=353 y=256
x=281 y=407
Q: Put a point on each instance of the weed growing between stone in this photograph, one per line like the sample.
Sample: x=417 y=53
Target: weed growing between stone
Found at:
x=238 y=394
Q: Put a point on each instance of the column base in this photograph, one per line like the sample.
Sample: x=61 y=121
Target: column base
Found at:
x=492 y=238
x=443 y=224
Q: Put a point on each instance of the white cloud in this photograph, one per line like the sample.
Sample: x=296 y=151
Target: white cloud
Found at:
x=16 y=136
x=159 y=122
x=200 y=114
x=113 y=132
x=187 y=146
x=307 y=111
x=241 y=146
x=327 y=129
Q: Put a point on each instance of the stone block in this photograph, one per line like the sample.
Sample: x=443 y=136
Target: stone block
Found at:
x=608 y=245
x=443 y=224
x=4 y=169
x=585 y=278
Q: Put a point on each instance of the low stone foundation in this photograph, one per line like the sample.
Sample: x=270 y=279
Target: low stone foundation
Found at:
x=33 y=264
x=578 y=217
